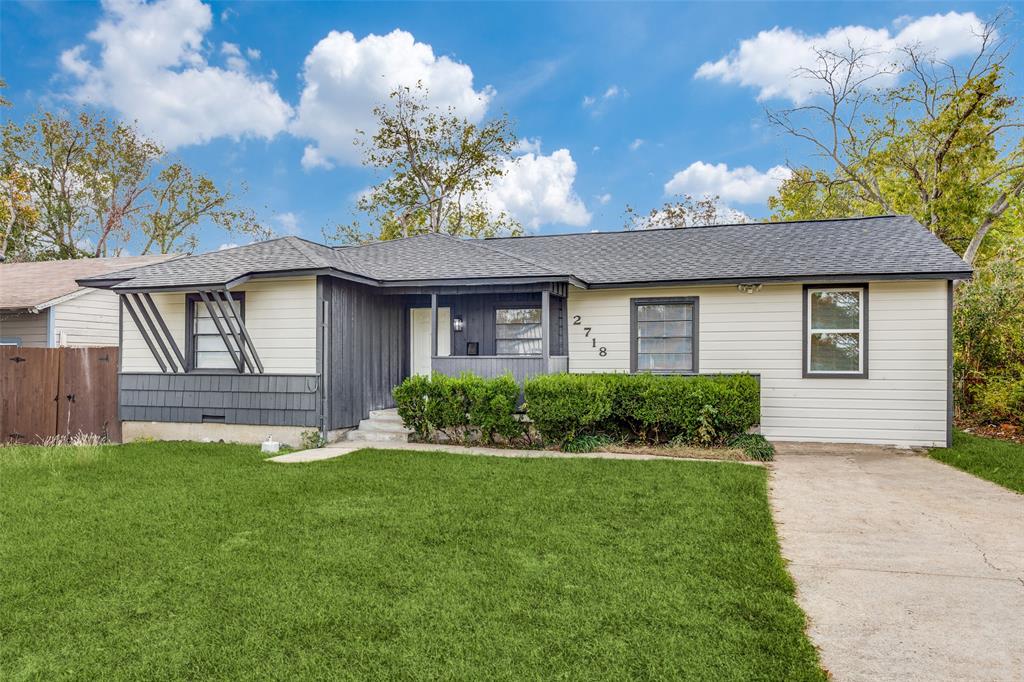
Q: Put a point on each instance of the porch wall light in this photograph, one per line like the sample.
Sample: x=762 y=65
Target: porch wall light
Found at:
x=457 y=323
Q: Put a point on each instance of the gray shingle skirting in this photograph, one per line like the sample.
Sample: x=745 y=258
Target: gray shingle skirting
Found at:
x=266 y=399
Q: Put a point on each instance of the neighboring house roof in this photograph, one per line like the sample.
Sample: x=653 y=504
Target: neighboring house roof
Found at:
x=38 y=285
x=882 y=246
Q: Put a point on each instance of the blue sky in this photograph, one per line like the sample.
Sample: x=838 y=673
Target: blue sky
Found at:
x=615 y=103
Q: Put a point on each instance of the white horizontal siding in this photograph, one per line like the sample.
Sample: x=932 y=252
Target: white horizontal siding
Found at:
x=280 y=315
x=31 y=328
x=87 y=320
x=903 y=402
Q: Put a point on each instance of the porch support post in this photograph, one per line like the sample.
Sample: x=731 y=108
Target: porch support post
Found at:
x=545 y=328
x=433 y=328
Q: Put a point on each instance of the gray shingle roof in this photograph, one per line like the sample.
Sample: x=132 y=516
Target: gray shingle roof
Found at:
x=864 y=246
x=884 y=245
x=436 y=256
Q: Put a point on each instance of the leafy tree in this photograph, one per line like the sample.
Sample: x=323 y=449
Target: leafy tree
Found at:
x=438 y=166
x=989 y=333
x=90 y=186
x=685 y=211
x=945 y=147
x=18 y=217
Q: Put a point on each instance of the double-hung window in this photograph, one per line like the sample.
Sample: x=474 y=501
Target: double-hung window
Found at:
x=663 y=335
x=835 y=334
x=517 y=331
x=206 y=346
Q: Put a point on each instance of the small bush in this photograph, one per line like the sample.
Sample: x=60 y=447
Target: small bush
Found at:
x=310 y=439
x=491 y=406
x=460 y=407
x=411 y=400
x=755 y=445
x=562 y=406
x=1001 y=399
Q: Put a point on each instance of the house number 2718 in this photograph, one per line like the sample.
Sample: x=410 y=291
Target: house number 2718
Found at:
x=578 y=322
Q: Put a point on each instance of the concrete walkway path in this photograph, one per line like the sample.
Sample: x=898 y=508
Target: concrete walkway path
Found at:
x=344 y=448
x=907 y=569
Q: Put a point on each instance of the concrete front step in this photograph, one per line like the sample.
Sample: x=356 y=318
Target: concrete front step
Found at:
x=390 y=413
x=383 y=425
x=378 y=436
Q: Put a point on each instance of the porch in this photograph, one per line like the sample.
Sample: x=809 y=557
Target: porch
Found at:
x=492 y=333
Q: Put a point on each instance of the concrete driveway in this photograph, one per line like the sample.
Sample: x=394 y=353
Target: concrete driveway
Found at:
x=907 y=569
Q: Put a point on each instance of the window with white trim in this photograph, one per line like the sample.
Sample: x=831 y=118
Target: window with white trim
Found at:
x=835 y=343
x=517 y=331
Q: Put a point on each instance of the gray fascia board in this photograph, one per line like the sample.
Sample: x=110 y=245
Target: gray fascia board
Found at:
x=101 y=282
x=955 y=275
x=206 y=286
x=470 y=281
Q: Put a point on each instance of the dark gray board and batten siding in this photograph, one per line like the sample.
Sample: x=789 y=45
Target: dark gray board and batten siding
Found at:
x=264 y=399
x=366 y=350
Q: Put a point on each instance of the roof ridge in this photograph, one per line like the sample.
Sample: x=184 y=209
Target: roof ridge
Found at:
x=702 y=227
x=300 y=245
x=480 y=243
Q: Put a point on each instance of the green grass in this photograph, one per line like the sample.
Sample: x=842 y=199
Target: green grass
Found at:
x=183 y=560
x=994 y=460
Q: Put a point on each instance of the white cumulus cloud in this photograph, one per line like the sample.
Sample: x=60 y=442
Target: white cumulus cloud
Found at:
x=288 y=223
x=538 y=189
x=526 y=144
x=771 y=60
x=346 y=77
x=152 y=67
x=745 y=185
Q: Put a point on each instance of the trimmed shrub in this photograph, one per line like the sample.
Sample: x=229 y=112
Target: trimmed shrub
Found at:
x=701 y=410
x=411 y=400
x=755 y=445
x=457 y=407
x=562 y=406
x=491 y=405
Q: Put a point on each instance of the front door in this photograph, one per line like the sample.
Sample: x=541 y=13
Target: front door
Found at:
x=419 y=337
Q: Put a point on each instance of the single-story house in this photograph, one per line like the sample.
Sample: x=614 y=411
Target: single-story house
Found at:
x=847 y=323
x=42 y=305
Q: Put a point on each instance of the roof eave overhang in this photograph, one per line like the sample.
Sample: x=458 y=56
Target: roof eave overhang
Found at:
x=483 y=281
x=20 y=310
x=123 y=286
x=847 y=277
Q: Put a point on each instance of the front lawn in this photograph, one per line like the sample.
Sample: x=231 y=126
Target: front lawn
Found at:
x=183 y=560
x=999 y=461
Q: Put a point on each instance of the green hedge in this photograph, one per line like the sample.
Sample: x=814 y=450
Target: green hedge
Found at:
x=704 y=410
x=460 y=407
x=564 y=408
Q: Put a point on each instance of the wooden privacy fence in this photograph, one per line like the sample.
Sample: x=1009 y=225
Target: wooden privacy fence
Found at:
x=58 y=392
